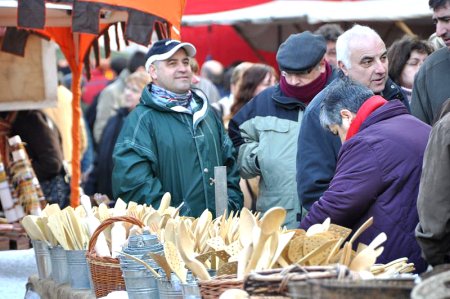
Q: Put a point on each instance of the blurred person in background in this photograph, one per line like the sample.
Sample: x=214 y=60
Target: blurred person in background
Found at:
x=42 y=141
x=100 y=178
x=110 y=99
x=431 y=86
x=213 y=70
x=223 y=107
x=118 y=64
x=254 y=80
x=331 y=33
x=405 y=56
x=203 y=86
x=265 y=130
x=95 y=84
x=61 y=115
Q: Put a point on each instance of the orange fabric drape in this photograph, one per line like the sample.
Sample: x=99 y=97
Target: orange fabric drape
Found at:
x=74 y=47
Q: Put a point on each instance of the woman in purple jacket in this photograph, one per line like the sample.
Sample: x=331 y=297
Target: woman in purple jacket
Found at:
x=378 y=169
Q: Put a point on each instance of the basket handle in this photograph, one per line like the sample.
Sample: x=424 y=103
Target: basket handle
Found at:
x=108 y=222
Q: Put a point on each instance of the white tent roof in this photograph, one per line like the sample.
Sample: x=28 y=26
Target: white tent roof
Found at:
x=314 y=12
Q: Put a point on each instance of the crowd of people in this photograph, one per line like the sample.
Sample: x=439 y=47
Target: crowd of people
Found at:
x=346 y=128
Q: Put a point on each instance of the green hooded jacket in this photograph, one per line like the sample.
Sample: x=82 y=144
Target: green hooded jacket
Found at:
x=161 y=150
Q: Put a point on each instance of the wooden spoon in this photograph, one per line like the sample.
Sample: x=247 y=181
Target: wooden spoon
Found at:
x=380 y=239
x=57 y=230
x=269 y=250
x=318 y=228
x=283 y=240
x=270 y=223
x=364 y=260
x=165 y=203
x=162 y=262
x=186 y=249
x=33 y=230
x=361 y=229
x=153 y=271
x=246 y=224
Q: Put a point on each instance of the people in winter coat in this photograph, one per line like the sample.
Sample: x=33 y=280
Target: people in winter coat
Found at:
x=265 y=130
x=433 y=204
x=362 y=56
x=100 y=178
x=431 y=86
x=43 y=144
x=378 y=169
x=172 y=140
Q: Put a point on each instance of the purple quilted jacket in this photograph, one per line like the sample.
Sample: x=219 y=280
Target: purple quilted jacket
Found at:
x=378 y=173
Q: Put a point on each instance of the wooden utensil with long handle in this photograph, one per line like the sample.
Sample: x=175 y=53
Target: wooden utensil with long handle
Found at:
x=361 y=229
x=186 y=249
x=174 y=261
x=150 y=268
x=270 y=223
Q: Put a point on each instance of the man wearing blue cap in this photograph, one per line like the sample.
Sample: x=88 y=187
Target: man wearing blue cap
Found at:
x=265 y=130
x=172 y=140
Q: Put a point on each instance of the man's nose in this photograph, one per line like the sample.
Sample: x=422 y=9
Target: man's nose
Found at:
x=183 y=67
x=380 y=67
x=441 y=30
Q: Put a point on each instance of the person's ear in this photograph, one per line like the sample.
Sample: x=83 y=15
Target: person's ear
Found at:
x=322 y=65
x=347 y=116
x=152 y=72
x=343 y=67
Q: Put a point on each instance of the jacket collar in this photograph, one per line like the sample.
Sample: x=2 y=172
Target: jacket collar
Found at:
x=197 y=116
x=390 y=109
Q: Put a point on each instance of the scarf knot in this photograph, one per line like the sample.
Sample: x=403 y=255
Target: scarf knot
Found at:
x=171 y=99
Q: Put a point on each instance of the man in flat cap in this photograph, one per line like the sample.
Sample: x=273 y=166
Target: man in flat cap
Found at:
x=265 y=130
x=172 y=140
x=362 y=56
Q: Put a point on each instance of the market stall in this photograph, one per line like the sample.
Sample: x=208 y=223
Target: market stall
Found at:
x=141 y=251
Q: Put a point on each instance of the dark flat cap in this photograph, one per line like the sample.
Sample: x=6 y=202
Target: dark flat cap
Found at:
x=300 y=52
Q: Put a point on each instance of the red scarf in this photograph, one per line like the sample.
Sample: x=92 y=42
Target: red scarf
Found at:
x=306 y=92
x=369 y=106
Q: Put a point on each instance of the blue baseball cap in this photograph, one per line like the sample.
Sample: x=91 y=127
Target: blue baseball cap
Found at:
x=165 y=48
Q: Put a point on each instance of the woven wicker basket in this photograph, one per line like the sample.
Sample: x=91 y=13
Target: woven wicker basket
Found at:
x=105 y=271
x=212 y=289
x=361 y=289
x=274 y=282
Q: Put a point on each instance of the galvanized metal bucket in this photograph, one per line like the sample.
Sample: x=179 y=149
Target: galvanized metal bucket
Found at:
x=190 y=290
x=78 y=269
x=170 y=289
x=43 y=260
x=140 y=284
x=60 y=268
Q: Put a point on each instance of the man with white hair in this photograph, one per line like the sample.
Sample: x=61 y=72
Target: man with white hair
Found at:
x=172 y=140
x=362 y=56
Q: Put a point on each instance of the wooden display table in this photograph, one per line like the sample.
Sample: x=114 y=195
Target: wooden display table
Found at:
x=49 y=289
